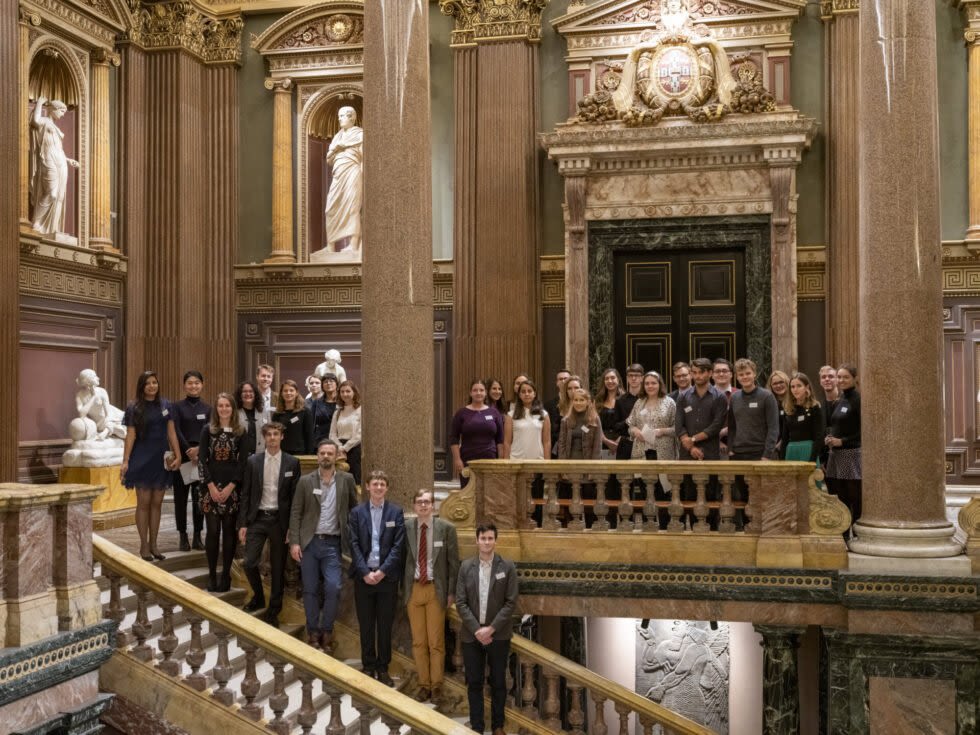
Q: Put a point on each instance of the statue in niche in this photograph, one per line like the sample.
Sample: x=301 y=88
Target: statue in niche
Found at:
x=346 y=195
x=684 y=666
x=49 y=168
x=331 y=364
x=98 y=433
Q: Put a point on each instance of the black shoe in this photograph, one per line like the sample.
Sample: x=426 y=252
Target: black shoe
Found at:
x=383 y=677
x=197 y=544
x=185 y=544
x=213 y=584
x=225 y=584
x=272 y=618
x=256 y=603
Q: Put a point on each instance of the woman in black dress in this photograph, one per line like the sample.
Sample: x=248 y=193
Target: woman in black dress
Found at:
x=605 y=403
x=222 y=462
x=291 y=412
x=254 y=414
x=319 y=408
x=146 y=465
x=844 y=440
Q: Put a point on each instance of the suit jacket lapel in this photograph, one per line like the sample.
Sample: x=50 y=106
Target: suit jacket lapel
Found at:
x=412 y=526
x=257 y=490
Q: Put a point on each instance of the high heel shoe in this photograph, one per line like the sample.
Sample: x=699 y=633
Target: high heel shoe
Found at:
x=213 y=583
x=146 y=555
x=225 y=584
x=158 y=556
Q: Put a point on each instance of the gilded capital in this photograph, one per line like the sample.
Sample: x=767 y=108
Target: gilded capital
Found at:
x=482 y=21
x=829 y=9
x=28 y=17
x=106 y=57
x=179 y=24
x=282 y=84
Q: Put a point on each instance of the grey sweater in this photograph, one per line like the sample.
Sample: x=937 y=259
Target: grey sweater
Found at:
x=753 y=423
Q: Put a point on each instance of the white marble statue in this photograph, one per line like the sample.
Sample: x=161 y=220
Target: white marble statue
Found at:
x=49 y=168
x=345 y=157
x=98 y=433
x=331 y=364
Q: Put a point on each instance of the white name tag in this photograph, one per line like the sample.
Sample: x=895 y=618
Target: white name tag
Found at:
x=437 y=544
x=227 y=430
x=501 y=575
x=318 y=491
x=844 y=409
x=166 y=412
x=585 y=429
x=390 y=524
x=800 y=418
x=294 y=419
x=201 y=417
x=688 y=409
x=288 y=474
x=488 y=418
x=753 y=405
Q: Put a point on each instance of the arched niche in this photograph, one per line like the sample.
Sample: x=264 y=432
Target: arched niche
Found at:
x=318 y=125
x=55 y=71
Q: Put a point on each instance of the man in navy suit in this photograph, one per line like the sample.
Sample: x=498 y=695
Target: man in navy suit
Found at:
x=377 y=540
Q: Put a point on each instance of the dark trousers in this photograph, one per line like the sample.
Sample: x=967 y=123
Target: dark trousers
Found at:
x=476 y=656
x=740 y=491
x=264 y=528
x=354 y=460
x=375 y=616
x=221 y=529
x=181 y=494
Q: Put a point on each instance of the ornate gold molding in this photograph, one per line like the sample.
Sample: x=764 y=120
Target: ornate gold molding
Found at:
x=811 y=268
x=829 y=9
x=180 y=24
x=480 y=21
x=828 y=515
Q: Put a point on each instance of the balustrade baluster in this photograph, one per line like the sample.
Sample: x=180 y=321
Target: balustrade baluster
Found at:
x=510 y=683
x=394 y=726
x=141 y=625
x=167 y=643
x=647 y=724
x=675 y=509
x=576 y=716
x=625 y=524
x=623 y=710
x=195 y=655
x=749 y=510
x=551 y=705
x=550 y=520
x=528 y=503
x=115 y=611
x=291 y=579
x=726 y=514
x=222 y=667
x=601 y=522
x=306 y=717
x=367 y=715
x=529 y=691
x=250 y=682
x=457 y=628
x=279 y=699
x=651 y=516
x=576 y=509
x=599 y=721
x=701 y=505
x=336 y=724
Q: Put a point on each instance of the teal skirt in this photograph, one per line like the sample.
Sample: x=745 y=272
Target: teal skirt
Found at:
x=799 y=451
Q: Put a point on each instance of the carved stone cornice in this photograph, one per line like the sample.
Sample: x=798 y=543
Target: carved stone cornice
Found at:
x=180 y=24
x=106 y=57
x=70 y=20
x=321 y=40
x=829 y=9
x=487 y=21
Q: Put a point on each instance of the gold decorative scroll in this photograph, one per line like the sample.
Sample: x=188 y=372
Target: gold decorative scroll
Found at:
x=179 y=24
x=479 y=21
x=830 y=8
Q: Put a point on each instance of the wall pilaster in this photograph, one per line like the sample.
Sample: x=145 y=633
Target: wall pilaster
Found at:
x=282 y=172
x=101 y=204
x=12 y=179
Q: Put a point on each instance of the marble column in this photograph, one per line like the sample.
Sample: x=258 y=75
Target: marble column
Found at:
x=397 y=261
x=973 y=131
x=782 y=178
x=843 y=99
x=576 y=277
x=780 y=679
x=495 y=190
x=101 y=203
x=282 y=172
x=23 y=44
x=900 y=269
x=11 y=124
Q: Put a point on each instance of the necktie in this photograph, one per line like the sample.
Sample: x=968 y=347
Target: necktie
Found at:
x=424 y=555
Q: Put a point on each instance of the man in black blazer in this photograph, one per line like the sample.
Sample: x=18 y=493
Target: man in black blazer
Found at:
x=267 y=496
x=486 y=597
x=377 y=539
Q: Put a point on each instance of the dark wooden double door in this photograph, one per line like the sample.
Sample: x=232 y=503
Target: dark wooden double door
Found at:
x=679 y=305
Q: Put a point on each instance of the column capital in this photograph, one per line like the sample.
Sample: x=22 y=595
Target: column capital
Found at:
x=830 y=9
x=493 y=21
x=212 y=38
x=279 y=84
x=28 y=17
x=105 y=57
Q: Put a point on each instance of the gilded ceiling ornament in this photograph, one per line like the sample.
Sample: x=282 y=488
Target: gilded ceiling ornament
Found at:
x=486 y=20
x=180 y=24
x=830 y=8
x=334 y=30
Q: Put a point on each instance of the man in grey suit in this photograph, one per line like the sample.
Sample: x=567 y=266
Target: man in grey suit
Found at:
x=428 y=588
x=318 y=536
x=486 y=597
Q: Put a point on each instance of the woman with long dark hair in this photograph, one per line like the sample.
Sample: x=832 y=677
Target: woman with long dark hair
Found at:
x=223 y=455
x=477 y=429
x=321 y=411
x=291 y=412
x=605 y=403
x=803 y=427
x=527 y=427
x=345 y=427
x=254 y=414
x=495 y=395
x=844 y=440
x=150 y=455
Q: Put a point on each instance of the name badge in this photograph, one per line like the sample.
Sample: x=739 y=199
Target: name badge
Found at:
x=317 y=491
x=585 y=429
x=800 y=418
x=166 y=412
x=844 y=409
x=688 y=409
x=437 y=544
x=753 y=405
x=488 y=418
x=288 y=474
x=501 y=575
x=227 y=429
x=294 y=419
x=201 y=417
x=389 y=524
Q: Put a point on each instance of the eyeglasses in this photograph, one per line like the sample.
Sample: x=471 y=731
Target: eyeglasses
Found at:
x=423 y=502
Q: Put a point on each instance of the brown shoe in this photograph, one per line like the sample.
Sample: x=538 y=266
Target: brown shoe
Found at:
x=436 y=696
x=384 y=678
x=423 y=694
x=327 y=642
x=313 y=639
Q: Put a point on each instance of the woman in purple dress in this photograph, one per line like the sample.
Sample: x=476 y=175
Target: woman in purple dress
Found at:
x=149 y=435
x=477 y=429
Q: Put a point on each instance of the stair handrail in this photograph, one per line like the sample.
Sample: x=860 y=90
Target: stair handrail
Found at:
x=644 y=708
x=389 y=702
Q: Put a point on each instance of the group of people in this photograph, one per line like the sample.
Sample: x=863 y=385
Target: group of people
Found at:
x=704 y=416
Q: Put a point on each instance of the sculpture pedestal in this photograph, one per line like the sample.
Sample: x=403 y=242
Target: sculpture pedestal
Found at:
x=115 y=506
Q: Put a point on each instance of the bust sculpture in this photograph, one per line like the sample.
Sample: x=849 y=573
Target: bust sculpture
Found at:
x=98 y=433
x=49 y=168
x=344 y=199
x=331 y=364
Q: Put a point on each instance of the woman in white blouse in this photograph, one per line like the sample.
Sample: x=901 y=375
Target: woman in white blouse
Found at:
x=651 y=426
x=527 y=427
x=345 y=427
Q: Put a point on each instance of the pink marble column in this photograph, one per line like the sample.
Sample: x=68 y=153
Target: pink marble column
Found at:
x=900 y=286
x=11 y=123
x=397 y=279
